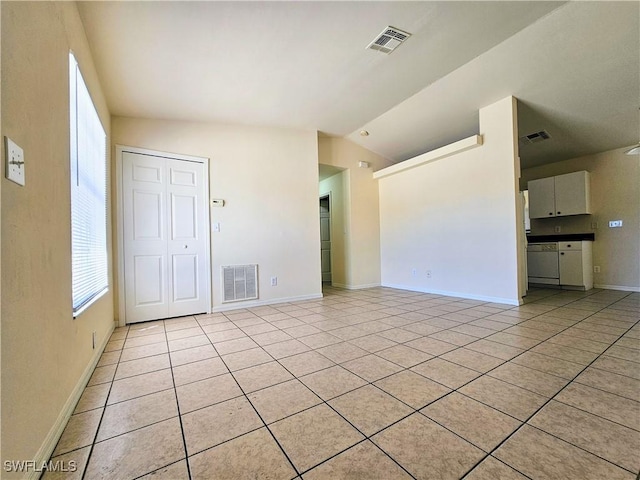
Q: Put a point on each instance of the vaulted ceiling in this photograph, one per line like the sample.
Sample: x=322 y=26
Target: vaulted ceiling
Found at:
x=575 y=68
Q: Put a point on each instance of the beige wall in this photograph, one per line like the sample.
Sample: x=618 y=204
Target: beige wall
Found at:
x=615 y=195
x=268 y=178
x=45 y=352
x=457 y=217
x=335 y=186
x=362 y=219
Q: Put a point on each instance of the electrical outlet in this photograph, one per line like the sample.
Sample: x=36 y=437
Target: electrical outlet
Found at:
x=14 y=155
x=274 y=281
x=596 y=269
x=615 y=223
x=428 y=273
x=557 y=228
x=594 y=225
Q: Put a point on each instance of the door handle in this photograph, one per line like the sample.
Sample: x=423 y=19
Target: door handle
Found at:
x=186 y=246
x=561 y=253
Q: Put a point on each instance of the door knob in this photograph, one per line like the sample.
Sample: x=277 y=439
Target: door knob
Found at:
x=186 y=246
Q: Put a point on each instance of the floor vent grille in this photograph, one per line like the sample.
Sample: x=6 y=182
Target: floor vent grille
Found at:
x=240 y=282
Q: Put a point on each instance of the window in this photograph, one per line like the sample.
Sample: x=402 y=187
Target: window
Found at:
x=88 y=195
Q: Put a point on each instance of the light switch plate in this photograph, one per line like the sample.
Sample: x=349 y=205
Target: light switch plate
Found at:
x=14 y=155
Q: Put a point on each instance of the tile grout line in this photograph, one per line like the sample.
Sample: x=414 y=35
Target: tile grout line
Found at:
x=371 y=353
x=175 y=393
x=456 y=390
x=546 y=403
x=246 y=397
x=104 y=409
x=325 y=402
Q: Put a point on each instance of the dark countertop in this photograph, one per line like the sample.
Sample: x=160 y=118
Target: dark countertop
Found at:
x=559 y=237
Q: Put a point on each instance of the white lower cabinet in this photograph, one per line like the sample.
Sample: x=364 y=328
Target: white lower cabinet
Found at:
x=576 y=264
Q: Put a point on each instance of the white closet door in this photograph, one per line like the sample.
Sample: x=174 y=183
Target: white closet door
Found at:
x=186 y=239
x=164 y=233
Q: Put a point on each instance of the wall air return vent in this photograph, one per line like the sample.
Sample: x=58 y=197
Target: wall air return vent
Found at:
x=388 y=40
x=535 y=137
x=239 y=282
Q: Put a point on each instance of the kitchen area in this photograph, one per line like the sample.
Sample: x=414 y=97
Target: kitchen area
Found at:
x=560 y=260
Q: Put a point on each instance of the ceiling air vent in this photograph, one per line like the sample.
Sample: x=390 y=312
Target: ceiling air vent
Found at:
x=388 y=40
x=535 y=137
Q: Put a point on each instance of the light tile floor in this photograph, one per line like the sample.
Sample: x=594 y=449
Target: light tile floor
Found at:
x=378 y=383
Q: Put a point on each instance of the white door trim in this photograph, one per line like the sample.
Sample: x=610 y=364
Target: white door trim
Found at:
x=120 y=149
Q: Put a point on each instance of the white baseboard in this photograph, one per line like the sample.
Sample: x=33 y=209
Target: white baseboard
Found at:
x=355 y=287
x=622 y=288
x=507 y=301
x=48 y=446
x=260 y=303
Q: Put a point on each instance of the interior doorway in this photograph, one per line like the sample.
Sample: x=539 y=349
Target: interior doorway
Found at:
x=325 y=238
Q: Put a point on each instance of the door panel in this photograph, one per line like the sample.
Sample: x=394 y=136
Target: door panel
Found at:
x=150 y=174
x=571 y=268
x=183 y=217
x=542 y=198
x=165 y=222
x=185 y=277
x=183 y=177
x=187 y=245
x=148 y=213
x=149 y=280
x=571 y=194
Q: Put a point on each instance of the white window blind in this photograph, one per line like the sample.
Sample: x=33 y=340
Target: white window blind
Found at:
x=88 y=195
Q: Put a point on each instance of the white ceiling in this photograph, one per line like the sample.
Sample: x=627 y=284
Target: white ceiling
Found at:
x=575 y=67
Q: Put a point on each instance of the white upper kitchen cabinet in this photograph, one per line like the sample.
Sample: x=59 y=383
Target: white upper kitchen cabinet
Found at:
x=542 y=199
x=560 y=196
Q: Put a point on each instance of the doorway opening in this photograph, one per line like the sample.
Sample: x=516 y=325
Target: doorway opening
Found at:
x=325 y=238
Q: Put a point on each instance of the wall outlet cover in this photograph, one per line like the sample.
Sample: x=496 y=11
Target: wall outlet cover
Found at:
x=615 y=223
x=14 y=156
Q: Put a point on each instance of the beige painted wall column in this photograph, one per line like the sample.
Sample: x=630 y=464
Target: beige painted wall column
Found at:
x=47 y=355
x=362 y=219
x=456 y=217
